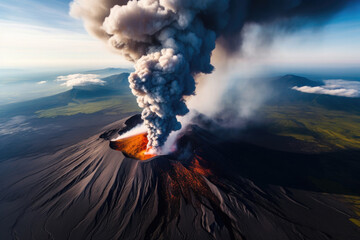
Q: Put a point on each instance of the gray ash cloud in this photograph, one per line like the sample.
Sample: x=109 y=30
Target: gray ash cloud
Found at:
x=171 y=41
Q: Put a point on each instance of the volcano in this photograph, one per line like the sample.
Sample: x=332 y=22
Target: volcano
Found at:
x=103 y=189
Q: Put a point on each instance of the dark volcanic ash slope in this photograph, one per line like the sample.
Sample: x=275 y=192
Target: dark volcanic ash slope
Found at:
x=90 y=191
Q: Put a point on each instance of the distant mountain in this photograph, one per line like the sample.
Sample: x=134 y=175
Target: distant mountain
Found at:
x=290 y=81
x=285 y=95
x=108 y=71
x=118 y=84
x=115 y=85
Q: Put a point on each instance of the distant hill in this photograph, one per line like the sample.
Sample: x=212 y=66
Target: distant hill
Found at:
x=115 y=85
x=290 y=81
x=108 y=71
x=118 y=85
x=285 y=95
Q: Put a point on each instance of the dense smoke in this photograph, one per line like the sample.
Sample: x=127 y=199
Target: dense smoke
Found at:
x=171 y=41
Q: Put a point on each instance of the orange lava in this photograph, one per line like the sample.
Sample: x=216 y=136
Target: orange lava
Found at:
x=183 y=182
x=198 y=166
x=133 y=147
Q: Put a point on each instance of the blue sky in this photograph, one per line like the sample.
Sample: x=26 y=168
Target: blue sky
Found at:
x=37 y=34
x=51 y=13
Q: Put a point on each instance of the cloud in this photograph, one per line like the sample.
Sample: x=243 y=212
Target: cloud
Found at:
x=41 y=82
x=80 y=80
x=15 y=125
x=336 y=87
x=41 y=48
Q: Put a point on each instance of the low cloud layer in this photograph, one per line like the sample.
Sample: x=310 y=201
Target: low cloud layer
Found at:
x=41 y=82
x=80 y=80
x=14 y=125
x=337 y=87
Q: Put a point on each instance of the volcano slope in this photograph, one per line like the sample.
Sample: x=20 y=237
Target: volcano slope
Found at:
x=91 y=191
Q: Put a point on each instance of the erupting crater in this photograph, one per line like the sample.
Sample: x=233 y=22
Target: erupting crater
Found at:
x=134 y=146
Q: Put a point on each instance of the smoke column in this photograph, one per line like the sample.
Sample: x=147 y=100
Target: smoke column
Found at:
x=171 y=41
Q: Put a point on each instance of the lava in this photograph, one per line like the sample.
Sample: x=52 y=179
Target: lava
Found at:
x=184 y=182
x=198 y=165
x=133 y=146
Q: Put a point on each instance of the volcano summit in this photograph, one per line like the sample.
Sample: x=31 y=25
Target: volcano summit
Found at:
x=91 y=191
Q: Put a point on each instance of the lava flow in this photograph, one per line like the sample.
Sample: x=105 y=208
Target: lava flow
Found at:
x=198 y=165
x=133 y=146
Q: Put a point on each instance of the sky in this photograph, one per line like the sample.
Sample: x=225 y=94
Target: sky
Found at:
x=41 y=34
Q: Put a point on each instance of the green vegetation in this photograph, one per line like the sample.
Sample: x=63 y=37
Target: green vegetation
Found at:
x=326 y=129
x=112 y=105
x=355 y=203
x=355 y=221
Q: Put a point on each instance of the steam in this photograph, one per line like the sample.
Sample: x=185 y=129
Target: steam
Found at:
x=171 y=42
x=138 y=129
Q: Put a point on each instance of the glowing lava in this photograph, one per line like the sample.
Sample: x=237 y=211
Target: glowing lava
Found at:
x=133 y=146
x=198 y=165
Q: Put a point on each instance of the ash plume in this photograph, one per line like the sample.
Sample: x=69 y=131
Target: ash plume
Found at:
x=171 y=41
